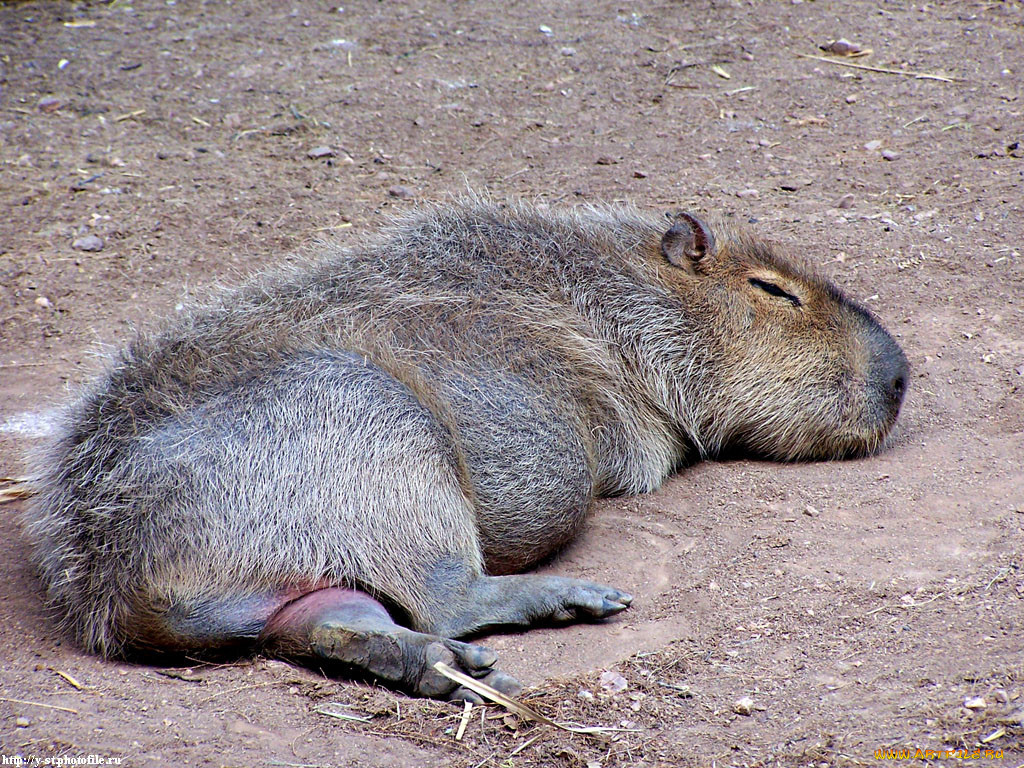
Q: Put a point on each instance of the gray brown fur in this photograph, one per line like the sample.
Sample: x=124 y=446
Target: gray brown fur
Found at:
x=446 y=401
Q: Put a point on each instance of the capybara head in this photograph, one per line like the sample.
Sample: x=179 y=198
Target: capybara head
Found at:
x=799 y=371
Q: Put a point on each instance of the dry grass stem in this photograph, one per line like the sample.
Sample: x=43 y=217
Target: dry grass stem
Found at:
x=329 y=709
x=71 y=681
x=39 y=704
x=18 y=488
x=466 y=710
x=884 y=70
x=487 y=692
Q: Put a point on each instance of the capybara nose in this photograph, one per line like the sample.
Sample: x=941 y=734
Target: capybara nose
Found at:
x=890 y=372
x=899 y=385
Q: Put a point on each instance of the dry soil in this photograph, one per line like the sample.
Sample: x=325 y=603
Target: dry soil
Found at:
x=858 y=605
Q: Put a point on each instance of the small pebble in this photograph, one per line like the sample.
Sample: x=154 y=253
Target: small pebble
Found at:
x=318 y=152
x=871 y=146
x=744 y=706
x=888 y=154
x=48 y=104
x=851 y=99
x=568 y=51
x=745 y=193
x=401 y=192
x=846 y=201
x=42 y=301
x=1002 y=697
x=841 y=47
x=811 y=511
x=975 y=703
x=88 y=243
x=21 y=722
x=613 y=682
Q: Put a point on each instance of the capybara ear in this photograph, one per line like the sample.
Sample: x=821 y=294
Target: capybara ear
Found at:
x=687 y=241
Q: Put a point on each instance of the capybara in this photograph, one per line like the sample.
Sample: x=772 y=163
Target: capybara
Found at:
x=350 y=462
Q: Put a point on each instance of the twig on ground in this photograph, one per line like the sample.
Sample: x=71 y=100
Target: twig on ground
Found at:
x=883 y=70
x=487 y=692
x=40 y=704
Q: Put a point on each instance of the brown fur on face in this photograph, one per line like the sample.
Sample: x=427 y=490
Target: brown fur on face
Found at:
x=801 y=372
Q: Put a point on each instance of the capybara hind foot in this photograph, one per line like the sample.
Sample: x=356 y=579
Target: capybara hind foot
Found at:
x=527 y=600
x=350 y=630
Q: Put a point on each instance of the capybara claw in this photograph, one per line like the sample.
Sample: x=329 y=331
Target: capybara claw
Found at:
x=500 y=681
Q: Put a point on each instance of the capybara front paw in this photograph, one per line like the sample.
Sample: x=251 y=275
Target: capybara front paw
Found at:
x=584 y=600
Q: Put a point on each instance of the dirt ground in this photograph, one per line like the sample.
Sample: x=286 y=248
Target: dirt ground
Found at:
x=859 y=605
